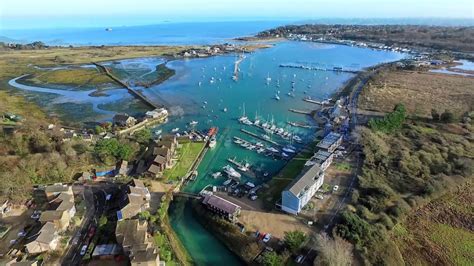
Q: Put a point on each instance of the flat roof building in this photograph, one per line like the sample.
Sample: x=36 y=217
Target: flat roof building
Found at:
x=330 y=142
x=302 y=189
x=222 y=207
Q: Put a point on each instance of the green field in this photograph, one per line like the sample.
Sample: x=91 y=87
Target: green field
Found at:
x=283 y=178
x=187 y=153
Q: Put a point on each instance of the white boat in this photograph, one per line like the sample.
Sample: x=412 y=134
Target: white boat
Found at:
x=260 y=150
x=265 y=136
x=297 y=138
x=286 y=149
x=231 y=172
x=200 y=83
x=243 y=117
x=272 y=149
x=158 y=132
x=277 y=97
x=193 y=123
x=174 y=130
x=284 y=155
x=268 y=78
x=259 y=144
x=225 y=110
x=217 y=174
x=212 y=142
x=243 y=168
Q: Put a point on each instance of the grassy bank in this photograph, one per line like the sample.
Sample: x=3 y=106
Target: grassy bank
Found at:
x=272 y=193
x=79 y=77
x=187 y=154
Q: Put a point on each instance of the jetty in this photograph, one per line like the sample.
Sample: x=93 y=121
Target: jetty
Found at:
x=236 y=66
x=135 y=93
x=309 y=100
x=259 y=137
x=300 y=111
x=335 y=69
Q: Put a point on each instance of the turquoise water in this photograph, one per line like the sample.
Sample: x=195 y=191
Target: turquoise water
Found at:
x=203 y=247
x=186 y=98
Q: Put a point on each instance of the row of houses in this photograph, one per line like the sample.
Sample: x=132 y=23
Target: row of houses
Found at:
x=131 y=233
x=299 y=192
x=56 y=219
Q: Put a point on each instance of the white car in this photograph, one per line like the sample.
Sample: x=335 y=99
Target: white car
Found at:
x=83 y=250
x=299 y=259
x=335 y=188
x=319 y=196
x=267 y=238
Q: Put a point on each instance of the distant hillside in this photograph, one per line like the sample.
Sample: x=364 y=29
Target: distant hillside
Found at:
x=460 y=39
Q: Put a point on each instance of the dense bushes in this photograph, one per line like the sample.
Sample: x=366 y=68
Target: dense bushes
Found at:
x=110 y=150
x=401 y=170
x=391 y=122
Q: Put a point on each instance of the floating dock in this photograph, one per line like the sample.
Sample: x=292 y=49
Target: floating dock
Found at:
x=259 y=137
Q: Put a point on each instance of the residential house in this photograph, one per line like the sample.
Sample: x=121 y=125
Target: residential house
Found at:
x=45 y=240
x=322 y=158
x=222 y=207
x=123 y=120
x=162 y=155
x=5 y=207
x=330 y=142
x=122 y=168
x=133 y=236
x=53 y=191
x=157 y=113
x=59 y=218
x=302 y=189
x=136 y=198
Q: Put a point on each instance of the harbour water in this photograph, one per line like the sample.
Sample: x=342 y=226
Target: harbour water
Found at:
x=203 y=88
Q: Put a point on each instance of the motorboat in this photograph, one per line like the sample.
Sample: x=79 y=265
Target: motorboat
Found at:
x=277 y=97
x=217 y=175
x=231 y=172
x=174 y=130
x=193 y=123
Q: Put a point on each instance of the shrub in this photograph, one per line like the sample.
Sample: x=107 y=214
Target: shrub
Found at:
x=272 y=259
x=447 y=117
x=294 y=240
x=391 y=122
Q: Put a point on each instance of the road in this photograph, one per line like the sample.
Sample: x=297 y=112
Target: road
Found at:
x=96 y=205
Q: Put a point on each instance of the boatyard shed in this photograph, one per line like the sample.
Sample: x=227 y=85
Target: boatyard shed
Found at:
x=222 y=207
x=330 y=142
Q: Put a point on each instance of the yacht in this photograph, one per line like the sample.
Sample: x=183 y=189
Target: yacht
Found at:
x=243 y=117
x=268 y=78
x=225 y=110
x=174 y=130
x=265 y=136
x=217 y=175
x=297 y=138
x=272 y=149
x=277 y=97
x=231 y=172
x=193 y=123
x=288 y=150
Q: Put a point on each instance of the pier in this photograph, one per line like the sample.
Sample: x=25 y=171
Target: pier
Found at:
x=300 y=111
x=335 y=69
x=259 y=137
x=135 y=93
x=236 y=66
x=323 y=103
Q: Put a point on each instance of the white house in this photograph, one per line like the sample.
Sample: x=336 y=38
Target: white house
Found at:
x=302 y=189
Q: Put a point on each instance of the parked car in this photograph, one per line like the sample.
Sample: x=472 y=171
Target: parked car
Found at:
x=83 y=250
x=335 y=188
x=253 y=197
x=36 y=215
x=319 y=196
x=299 y=259
x=267 y=238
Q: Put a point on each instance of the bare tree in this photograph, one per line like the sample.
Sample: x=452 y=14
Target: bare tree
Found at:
x=333 y=251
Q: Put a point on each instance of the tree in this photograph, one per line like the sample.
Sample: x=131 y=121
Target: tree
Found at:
x=434 y=115
x=98 y=129
x=333 y=252
x=447 y=117
x=106 y=148
x=272 y=259
x=102 y=221
x=294 y=240
x=144 y=215
x=143 y=136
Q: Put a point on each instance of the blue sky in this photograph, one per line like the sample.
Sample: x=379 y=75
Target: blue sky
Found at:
x=25 y=13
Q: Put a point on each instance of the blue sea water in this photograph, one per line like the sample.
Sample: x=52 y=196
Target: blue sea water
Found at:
x=160 y=34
